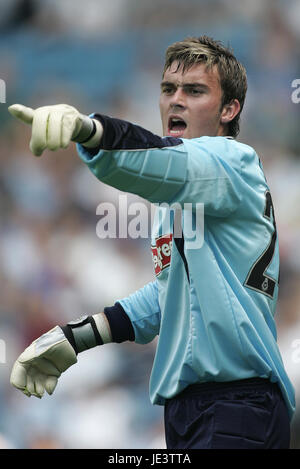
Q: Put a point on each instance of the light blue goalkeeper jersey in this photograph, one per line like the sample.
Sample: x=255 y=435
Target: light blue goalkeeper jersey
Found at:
x=212 y=304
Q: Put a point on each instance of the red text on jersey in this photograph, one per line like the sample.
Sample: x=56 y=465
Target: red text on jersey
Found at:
x=161 y=252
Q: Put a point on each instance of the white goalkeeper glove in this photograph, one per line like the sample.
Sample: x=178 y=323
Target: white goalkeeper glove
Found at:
x=40 y=365
x=54 y=127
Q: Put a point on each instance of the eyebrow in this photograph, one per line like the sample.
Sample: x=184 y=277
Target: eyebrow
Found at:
x=185 y=85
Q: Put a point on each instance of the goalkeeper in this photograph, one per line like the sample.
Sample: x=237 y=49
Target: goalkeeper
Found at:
x=217 y=369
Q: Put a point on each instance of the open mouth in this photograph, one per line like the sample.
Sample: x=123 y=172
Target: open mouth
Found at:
x=176 y=126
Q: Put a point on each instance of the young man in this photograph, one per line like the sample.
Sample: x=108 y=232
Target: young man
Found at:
x=217 y=368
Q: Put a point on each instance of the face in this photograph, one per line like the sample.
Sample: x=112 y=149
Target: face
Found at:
x=190 y=102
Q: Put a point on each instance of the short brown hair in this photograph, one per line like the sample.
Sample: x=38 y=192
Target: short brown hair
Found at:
x=233 y=78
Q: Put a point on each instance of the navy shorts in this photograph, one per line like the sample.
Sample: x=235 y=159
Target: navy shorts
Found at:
x=246 y=414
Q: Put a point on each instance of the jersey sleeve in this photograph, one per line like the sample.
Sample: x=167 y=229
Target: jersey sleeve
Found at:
x=143 y=311
x=205 y=170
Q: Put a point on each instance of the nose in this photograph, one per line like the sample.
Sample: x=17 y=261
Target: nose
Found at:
x=177 y=100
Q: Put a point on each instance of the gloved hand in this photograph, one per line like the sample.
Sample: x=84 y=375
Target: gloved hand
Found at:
x=54 y=127
x=40 y=365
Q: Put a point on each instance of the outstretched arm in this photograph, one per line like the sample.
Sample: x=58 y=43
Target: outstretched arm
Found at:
x=132 y=159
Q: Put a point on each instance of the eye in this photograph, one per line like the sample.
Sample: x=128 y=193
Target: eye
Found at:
x=195 y=91
x=167 y=90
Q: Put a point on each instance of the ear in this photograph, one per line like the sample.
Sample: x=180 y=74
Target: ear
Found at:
x=229 y=111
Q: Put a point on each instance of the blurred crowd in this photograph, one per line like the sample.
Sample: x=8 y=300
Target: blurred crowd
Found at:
x=107 y=56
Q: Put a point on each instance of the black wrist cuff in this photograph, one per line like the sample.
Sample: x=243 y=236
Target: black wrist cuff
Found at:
x=120 y=324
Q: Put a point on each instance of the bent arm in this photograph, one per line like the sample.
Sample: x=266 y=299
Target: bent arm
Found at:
x=40 y=365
